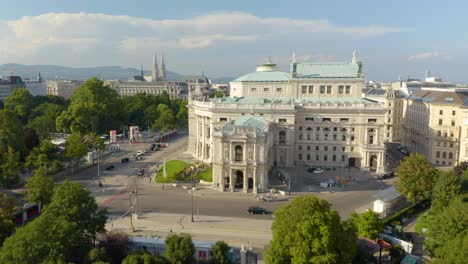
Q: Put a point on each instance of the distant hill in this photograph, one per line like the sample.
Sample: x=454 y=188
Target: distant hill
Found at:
x=52 y=72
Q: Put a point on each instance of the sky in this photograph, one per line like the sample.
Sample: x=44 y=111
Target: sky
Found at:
x=229 y=38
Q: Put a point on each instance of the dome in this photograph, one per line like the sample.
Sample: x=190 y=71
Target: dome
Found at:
x=265 y=72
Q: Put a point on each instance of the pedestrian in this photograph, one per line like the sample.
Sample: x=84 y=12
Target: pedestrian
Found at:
x=150 y=179
x=163 y=186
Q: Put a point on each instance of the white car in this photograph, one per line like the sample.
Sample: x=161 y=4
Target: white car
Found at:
x=317 y=171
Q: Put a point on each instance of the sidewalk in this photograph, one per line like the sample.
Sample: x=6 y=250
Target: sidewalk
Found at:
x=255 y=234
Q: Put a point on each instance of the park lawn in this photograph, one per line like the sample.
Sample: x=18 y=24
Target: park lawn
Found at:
x=207 y=174
x=173 y=168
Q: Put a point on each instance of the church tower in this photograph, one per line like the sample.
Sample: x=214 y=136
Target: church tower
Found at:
x=155 y=72
x=163 y=68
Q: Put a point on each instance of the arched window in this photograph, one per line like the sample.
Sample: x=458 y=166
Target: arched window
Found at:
x=450 y=155
x=282 y=137
x=239 y=153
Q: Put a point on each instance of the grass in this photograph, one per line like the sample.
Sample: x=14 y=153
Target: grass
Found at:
x=207 y=174
x=174 y=168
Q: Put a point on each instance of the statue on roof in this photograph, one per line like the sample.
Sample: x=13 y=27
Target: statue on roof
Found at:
x=354 y=57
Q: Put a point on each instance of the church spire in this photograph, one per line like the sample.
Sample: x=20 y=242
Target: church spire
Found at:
x=155 y=72
x=163 y=67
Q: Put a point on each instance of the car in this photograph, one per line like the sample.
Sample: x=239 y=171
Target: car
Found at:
x=317 y=171
x=141 y=172
x=124 y=160
x=257 y=210
x=110 y=167
x=386 y=175
x=310 y=169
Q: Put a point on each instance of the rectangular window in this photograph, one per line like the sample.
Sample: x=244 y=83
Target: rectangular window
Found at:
x=352 y=137
x=308 y=156
x=300 y=147
x=322 y=89
x=300 y=156
x=334 y=148
x=309 y=119
x=329 y=89
x=451 y=144
x=344 y=119
x=300 y=128
x=371 y=140
x=253 y=90
x=441 y=112
x=266 y=89
x=371 y=120
x=453 y=112
x=317 y=148
x=311 y=89
x=325 y=148
x=453 y=122
x=341 y=89
x=438 y=154
x=343 y=138
x=326 y=119
x=278 y=89
x=325 y=157
x=334 y=137
x=348 y=89
x=308 y=147
x=334 y=157
x=304 y=89
x=352 y=149
x=440 y=122
x=317 y=157
x=282 y=120
x=221 y=119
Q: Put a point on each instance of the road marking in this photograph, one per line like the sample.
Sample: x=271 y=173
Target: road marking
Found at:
x=111 y=199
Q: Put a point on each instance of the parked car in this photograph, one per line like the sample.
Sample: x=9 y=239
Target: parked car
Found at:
x=317 y=171
x=124 y=160
x=386 y=175
x=404 y=151
x=257 y=210
x=141 y=172
x=110 y=167
x=310 y=169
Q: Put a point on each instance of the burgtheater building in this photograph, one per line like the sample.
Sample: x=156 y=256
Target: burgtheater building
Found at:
x=313 y=115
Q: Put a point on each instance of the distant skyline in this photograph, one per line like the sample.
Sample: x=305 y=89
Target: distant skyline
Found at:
x=229 y=38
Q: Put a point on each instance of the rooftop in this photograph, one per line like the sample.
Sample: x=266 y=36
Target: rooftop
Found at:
x=291 y=100
x=387 y=195
x=257 y=122
x=326 y=70
x=439 y=97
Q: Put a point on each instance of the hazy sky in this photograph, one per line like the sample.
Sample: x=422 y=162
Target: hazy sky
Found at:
x=229 y=38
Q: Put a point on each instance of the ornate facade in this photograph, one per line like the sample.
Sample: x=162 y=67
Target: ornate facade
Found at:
x=313 y=115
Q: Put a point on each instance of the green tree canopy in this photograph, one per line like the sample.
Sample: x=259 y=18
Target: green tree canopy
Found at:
x=76 y=146
x=74 y=203
x=455 y=251
x=143 y=258
x=94 y=107
x=7 y=205
x=446 y=187
x=221 y=253
x=445 y=223
x=306 y=230
x=43 y=118
x=6 y=228
x=415 y=178
x=9 y=168
x=48 y=236
x=117 y=245
x=40 y=187
x=11 y=132
x=180 y=249
x=368 y=224
x=21 y=103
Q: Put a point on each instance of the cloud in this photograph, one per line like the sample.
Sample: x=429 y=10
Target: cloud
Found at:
x=117 y=36
x=429 y=55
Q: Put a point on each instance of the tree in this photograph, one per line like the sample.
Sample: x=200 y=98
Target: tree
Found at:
x=10 y=168
x=7 y=205
x=6 y=228
x=455 y=251
x=446 y=187
x=218 y=94
x=143 y=258
x=74 y=203
x=117 y=245
x=40 y=187
x=47 y=237
x=20 y=102
x=445 y=223
x=43 y=118
x=31 y=138
x=460 y=168
x=98 y=255
x=182 y=116
x=180 y=249
x=76 y=147
x=11 y=132
x=368 y=224
x=415 y=178
x=221 y=253
x=306 y=230
x=94 y=107
x=165 y=118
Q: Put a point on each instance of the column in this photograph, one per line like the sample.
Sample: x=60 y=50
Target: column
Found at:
x=202 y=140
x=254 y=174
x=246 y=181
x=231 y=183
x=197 y=133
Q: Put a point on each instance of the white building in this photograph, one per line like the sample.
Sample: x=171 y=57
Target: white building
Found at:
x=37 y=86
x=312 y=115
x=64 y=88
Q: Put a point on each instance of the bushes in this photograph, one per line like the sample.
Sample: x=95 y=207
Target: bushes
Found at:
x=174 y=170
x=407 y=212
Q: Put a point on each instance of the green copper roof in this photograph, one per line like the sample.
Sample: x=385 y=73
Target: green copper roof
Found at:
x=260 y=76
x=326 y=70
x=258 y=122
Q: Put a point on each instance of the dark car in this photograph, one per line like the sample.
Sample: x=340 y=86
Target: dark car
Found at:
x=124 y=160
x=257 y=210
x=310 y=169
x=110 y=167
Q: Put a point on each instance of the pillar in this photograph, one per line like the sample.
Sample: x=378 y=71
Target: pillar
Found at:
x=254 y=173
x=246 y=181
x=231 y=185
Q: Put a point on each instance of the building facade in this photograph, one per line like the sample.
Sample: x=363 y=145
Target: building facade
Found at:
x=64 y=88
x=157 y=85
x=433 y=125
x=312 y=115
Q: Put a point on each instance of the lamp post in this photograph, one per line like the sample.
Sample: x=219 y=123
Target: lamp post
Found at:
x=193 y=185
